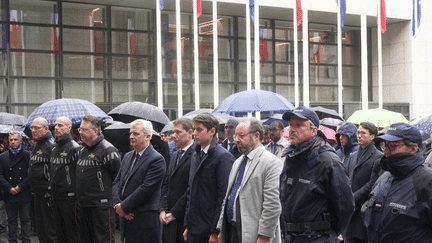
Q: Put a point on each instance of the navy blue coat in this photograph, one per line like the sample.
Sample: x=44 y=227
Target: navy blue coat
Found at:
x=13 y=172
x=344 y=152
x=233 y=150
x=400 y=205
x=313 y=183
x=363 y=170
x=208 y=181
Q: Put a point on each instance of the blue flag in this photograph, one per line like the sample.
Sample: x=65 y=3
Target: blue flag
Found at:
x=162 y=5
x=252 y=9
x=342 y=12
x=418 y=12
x=4 y=35
x=413 y=19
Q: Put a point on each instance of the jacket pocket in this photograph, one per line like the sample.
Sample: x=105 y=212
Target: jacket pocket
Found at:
x=99 y=176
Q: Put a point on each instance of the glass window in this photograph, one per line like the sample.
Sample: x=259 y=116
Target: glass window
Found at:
x=84 y=40
x=133 y=90
x=226 y=71
x=133 y=68
x=32 y=91
x=284 y=30
x=323 y=93
x=323 y=54
x=225 y=90
x=133 y=43
x=136 y=19
x=323 y=74
x=170 y=93
x=84 y=15
x=35 y=64
x=351 y=55
x=33 y=11
x=84 y=66
x=284 y=73
x=206 y=94
x=284 y=51
x=33 y=37
x=93 y=91
x=351 y=83
x=322 y=33
x=266 y=72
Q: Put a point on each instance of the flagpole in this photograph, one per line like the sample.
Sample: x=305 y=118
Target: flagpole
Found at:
x=296 y=64
x=305 y=55
x=23 y=69
x=257 y=51
x=364 y=63
x=215 y=56
x=340 y=68
x=196 y=55
x=159 y=55
x=179 y=60
x=248 y=48
x=380 y=81
x=129 y=61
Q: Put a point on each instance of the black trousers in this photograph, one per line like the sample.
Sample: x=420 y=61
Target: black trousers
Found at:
x=66 y=221
x=43 y=218
x=173 y=232
x=97 y=224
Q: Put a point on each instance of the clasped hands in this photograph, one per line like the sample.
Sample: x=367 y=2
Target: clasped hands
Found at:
x=119 y=210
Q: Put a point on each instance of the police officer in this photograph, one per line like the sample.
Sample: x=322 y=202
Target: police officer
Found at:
x=316 y=198
x=399 y=208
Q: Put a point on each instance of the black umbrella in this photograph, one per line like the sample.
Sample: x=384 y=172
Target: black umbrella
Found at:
x=130 y=111
x=11 y=119
x=324 y=112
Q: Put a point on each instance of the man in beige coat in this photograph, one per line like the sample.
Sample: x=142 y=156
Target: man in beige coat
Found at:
x=251 y=208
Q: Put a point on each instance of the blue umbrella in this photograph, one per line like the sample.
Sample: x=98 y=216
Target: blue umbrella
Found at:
x=254 y=101
x=75 y=109
x=275 y=117
x=424 y=125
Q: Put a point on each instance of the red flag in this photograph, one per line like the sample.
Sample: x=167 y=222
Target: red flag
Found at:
x=14 y=35
x=56 y=39
x=383 y=17
x=299 y=13
x=199 y=7
x=131 y=39
x=264 y=53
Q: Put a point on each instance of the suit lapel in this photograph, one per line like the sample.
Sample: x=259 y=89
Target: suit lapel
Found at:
x=253 y=164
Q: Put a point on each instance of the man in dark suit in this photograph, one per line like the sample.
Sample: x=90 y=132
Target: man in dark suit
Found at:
x=173 y=200
x=229 y=143
x=208 y=180
x=137 y=187
x=363 y=170
x=14 y=182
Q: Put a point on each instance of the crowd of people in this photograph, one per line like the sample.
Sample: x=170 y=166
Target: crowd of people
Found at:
x=254 y=185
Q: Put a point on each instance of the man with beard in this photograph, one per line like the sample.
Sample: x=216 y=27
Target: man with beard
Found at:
x=63 y=166
x=39 y=175
x=251 y=208
x=278 y=143
x=97 y=167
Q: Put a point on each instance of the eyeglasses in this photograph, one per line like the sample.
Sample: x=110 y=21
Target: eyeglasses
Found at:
x=85 y=129
x=241 y=136
x=35 y=128
x=391 y=145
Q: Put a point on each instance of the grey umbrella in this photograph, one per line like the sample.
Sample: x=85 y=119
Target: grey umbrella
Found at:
x=222 y=118
x=130 y=111
x=11 y=119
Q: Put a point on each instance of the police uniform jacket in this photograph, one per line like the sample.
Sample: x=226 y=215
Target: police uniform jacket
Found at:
x=314 y=184
x=63 y=166
x=399 y=208
x=13 y=172
x=39 y=170
x=96 y=169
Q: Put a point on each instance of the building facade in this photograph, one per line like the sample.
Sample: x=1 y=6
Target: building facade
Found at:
x=106 y=52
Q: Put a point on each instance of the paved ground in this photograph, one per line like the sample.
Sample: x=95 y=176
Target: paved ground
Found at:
x=34 y=239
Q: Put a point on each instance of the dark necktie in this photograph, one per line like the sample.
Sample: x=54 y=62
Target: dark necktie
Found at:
x=202 y=154
x=135 y=157
x=235 y=188
x=179 y=156
x=231 y=147
x=275 y=147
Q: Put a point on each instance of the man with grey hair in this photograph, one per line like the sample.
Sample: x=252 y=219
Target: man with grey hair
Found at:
x=64 y=157
x=208 y=179
x=15 y=185
x=39 y=175
x=137 y=187
x=251 y=208
x=97 y=167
